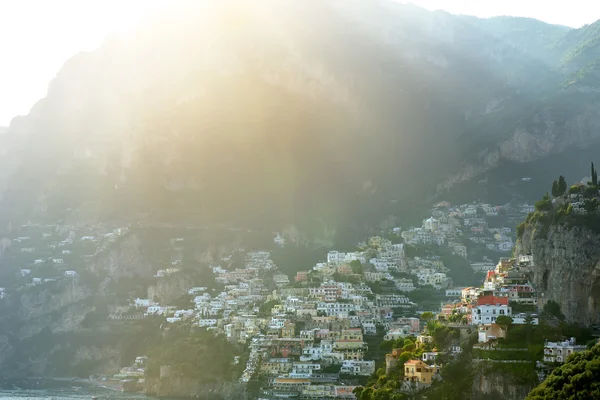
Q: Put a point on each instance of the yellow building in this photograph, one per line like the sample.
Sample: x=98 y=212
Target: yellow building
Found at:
x=352 y=334
x=351 y=349
x=418 y=371
x=276 y=366
x=288 y=330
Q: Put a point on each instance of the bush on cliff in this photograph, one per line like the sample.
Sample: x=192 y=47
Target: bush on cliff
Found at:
x=578 y=378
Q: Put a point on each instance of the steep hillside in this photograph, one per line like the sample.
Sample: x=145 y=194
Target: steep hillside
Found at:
x=577 y=378
x=219 y=112
x=563 y=236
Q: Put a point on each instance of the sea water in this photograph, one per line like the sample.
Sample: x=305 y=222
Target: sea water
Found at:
x=53 y=390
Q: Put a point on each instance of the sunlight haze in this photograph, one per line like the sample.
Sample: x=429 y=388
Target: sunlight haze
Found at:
x=37 y=37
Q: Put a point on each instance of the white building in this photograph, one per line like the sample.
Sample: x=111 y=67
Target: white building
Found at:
x=430 y=356
x=455 y=292
x=405 y=285
x=142 y=303
x=207 y=322
x=358 y=367
x=71 y=274
x=369 y=328
x=558 y=352
x=305 y=368
x=489 y=308
x=196 y=290
x=431 y=225
x=397 y=333
x=335 y=257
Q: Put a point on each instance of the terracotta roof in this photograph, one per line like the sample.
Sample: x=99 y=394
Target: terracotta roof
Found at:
x=492 y=300
x=413 y=362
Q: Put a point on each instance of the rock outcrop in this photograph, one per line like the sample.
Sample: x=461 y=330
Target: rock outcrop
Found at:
x=566 y=268
x=498 y=386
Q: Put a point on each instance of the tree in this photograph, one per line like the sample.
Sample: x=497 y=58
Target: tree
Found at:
x=576 y=379
x=504 y=321
x=552 y=308
x=562 y=185
x=594 y=176
x=427 y=315
x=545 y=204
x=555 y=191
x=357 y=267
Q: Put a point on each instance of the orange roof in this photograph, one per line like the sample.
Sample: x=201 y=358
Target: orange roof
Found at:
x=492 y=300
x=412 y=362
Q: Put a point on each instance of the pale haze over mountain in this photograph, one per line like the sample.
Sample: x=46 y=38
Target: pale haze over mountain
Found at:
x=31 y=59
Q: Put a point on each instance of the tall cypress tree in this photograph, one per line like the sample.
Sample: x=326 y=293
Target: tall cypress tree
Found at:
x=562 y=185
x=594 y=176
x=555 y=191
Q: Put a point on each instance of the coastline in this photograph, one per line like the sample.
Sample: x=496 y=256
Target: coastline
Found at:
x=105 y=384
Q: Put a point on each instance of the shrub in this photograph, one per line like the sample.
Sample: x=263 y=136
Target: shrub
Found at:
x=545 y=204
x=520 y=230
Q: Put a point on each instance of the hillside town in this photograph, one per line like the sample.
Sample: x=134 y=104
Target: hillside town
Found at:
x=324 y=331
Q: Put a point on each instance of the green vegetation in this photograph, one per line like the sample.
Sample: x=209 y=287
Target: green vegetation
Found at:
x=559 y=187
x=265 y=308
x=196 y=354
x=560 y=211
x=578 y=378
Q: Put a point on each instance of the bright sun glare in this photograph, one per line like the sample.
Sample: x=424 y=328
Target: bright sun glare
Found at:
x=38 y=36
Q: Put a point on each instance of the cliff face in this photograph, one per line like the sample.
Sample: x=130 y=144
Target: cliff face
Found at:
x=254 y=126
x=566 y=268
x=498 y=386
x=57 y=329
x=181 y=387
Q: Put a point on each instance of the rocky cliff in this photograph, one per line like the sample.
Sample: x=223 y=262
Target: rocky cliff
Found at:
x=498 y=386
x=59 y=328
x=247 y=116
x=566 y=267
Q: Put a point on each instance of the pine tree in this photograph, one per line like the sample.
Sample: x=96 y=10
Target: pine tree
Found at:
x=594 y=176
x=555 y=191
x=562 y=185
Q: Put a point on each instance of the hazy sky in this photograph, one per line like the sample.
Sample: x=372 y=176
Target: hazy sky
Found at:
x=37 y=36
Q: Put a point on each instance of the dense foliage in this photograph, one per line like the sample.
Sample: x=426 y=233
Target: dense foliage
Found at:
x=196 y=354
x=578 y=378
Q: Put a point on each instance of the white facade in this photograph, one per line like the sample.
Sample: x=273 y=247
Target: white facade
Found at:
x=405 y=285
x=207 y=322
x=356 y=367
x=430 y=356
x=487 y=314
x=431 y=224
x=558 y=352
x=139 y=303
x=335 y=257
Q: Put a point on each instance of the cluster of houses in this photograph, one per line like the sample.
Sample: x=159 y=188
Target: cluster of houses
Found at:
x=481 y=308
x=382 y=261
x=452 y=226
x=308 y=336
x=48 y=253
x=504 y=287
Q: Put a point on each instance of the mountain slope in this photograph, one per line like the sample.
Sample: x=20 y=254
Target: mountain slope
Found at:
x=318 y=114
